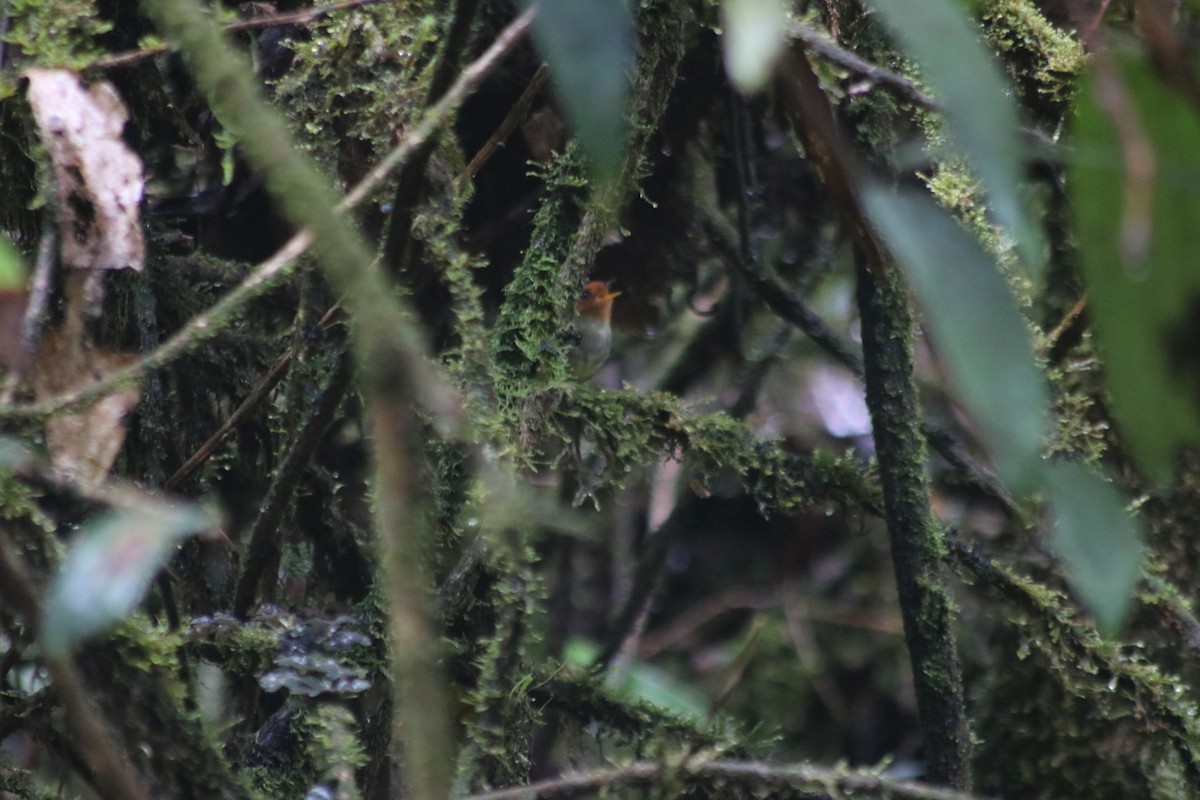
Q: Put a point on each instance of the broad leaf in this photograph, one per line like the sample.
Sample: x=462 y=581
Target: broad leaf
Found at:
x=108 y=569
x=1137 y=238
x=590 y=46
x=974 y=323
x=1098 y=542
x=981 y=116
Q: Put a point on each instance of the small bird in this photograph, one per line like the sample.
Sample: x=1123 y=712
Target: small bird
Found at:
x=592 y=338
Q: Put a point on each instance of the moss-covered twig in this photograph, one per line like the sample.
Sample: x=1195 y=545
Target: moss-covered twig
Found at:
x=630 y=428
x=917 y=545
x=411 y=175
x=1074 y=644
x=831 y=51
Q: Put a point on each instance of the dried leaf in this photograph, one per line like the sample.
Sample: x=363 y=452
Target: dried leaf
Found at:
x=84 y=444
x=99 y=178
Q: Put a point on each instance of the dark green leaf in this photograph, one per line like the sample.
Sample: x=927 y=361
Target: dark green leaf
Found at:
x=981 y=116
x=108 y=569
x=1137 y=237
x=974 y=323
x=1098 y=542
x=590 y=46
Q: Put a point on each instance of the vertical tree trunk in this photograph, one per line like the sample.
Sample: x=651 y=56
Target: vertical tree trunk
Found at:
x=917 y=544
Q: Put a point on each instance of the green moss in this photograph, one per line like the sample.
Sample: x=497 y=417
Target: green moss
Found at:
x=1060 y=723
x=53 y=33
x=19 y=785
x=333 y=747
x=19 y=502
x=241 y=649
x=1073 y=715
x=633 y=429
x=355 y=81
x=1041 y=59
x=528 y=338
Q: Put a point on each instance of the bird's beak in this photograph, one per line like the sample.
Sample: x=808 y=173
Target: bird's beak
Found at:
x=608 y=292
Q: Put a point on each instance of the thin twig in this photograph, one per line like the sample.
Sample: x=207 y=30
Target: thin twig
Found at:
x=1068 y=330
x=264 y=538
x=515 y=115
x=829 y=50
x=304 y=17
x=253 y=400
x=725 y=776
x=267 y=274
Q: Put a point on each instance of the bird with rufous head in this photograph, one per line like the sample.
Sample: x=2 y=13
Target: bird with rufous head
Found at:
x=592 y=337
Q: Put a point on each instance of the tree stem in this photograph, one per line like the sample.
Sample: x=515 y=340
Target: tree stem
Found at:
x=917 y=544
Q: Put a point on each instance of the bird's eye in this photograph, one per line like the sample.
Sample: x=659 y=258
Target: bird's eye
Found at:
x=585 y=294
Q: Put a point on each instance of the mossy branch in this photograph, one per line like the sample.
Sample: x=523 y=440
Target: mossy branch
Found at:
x=917 y=543
x=572 y=224
x=1077 y=650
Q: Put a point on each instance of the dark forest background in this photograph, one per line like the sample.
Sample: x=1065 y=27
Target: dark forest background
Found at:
x=885 y=490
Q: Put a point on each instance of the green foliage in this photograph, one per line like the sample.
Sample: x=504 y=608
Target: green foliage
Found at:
x=590 y=46
x=1136 y=242
x=54 y=33
x=527 y=338
x=358 y=78
x=981 y=118
x=1041 y=59
x=755 y=33
x=1098 y=541
x=969 y=310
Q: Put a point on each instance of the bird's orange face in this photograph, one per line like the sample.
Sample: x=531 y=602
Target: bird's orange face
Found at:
x=595 y=300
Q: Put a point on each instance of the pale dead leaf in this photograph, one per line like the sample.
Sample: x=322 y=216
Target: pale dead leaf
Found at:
x=84 y=444
x=99 y=178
